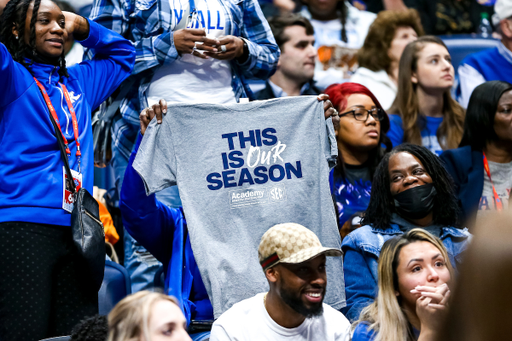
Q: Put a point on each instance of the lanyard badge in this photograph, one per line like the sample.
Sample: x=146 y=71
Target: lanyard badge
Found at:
x=497 y=199
x=67 y=195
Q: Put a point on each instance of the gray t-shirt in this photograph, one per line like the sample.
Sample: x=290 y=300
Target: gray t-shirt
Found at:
x=501 y=174
x=241 y=169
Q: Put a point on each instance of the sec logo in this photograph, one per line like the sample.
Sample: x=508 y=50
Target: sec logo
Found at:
x=277 y=193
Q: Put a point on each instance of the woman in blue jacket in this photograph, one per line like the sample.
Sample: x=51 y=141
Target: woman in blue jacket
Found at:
x=410 y=189
x=43 y=291
x=487 y=131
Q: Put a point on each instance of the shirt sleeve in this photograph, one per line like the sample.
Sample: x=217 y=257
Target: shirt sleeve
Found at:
x=263 y=50
x=156 y=159
x=112 y=63
x=13 y=82
x=219 y=333
x=331 y=147
x=469 y=79
x=149 y=51
x=360 y=286
x=147 y=220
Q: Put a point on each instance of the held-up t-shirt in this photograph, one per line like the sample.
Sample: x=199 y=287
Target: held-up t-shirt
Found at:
x=501 y=174
x=241 y=169
x=249 y=320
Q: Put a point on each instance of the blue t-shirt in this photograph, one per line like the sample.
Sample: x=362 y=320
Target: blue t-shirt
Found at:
x=364 y=333
x=428 y=133
x=352 y=192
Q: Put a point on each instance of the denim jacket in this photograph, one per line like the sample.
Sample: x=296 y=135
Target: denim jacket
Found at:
x=361 y=256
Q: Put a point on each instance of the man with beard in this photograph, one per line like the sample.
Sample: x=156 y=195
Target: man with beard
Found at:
x=294 y=264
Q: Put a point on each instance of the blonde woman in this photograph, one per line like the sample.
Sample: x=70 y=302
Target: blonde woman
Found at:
x=147 y=316
x=414 y=279
x=424 y=113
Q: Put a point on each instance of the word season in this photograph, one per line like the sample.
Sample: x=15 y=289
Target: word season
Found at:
x=257 y=161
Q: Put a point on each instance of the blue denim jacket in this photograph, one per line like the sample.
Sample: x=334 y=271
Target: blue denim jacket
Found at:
x=361 y=255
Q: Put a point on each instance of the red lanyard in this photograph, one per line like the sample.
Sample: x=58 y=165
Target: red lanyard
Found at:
x=497 y=199
x=56 y=118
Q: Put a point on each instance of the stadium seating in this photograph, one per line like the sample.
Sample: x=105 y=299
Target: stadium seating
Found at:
x=116 y=286
x=460 y=45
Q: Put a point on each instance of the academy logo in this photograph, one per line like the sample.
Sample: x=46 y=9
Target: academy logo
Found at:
x=248 y=197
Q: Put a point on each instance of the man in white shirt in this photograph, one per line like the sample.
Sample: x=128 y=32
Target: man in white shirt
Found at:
x=294 y=264
x=493 y=64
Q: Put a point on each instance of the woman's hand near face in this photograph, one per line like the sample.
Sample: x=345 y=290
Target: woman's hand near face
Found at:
x=76 y=25
x=431 y=309
x=148 y=114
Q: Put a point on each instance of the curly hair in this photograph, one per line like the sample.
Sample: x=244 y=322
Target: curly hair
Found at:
x=15 y=13
x=374 y=53
x=381 y=206
x=94 y=328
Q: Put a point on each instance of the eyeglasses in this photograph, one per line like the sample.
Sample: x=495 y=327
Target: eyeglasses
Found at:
x=361 y=114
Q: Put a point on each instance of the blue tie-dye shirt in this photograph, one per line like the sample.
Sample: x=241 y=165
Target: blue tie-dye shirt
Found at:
x=352 y=192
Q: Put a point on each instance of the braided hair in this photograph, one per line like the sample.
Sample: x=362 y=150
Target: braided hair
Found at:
x=15 y=13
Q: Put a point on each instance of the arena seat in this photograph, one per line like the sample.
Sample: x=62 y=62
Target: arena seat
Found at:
x=159 y=280
x=460 y=45
x=116 y=286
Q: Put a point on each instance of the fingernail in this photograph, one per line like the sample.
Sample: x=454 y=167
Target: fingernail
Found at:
x=164 y=111
x=215 y=50
x=159 y=121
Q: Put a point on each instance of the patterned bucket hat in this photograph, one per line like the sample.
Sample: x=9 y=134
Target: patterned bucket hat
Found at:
x=291 y=243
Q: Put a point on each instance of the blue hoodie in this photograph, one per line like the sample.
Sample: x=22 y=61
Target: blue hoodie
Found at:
x=163 y=231
x=31 y=173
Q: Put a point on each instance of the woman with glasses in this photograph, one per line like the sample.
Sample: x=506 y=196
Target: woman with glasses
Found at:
x=361 y=136
x=424 y=111
x=411 y=189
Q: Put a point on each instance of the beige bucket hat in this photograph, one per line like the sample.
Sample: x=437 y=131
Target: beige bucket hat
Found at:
x=291 y=243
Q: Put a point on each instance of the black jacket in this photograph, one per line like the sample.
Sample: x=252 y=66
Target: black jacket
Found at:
x=466 y=166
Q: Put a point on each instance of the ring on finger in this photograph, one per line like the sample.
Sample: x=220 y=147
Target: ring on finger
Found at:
x=194 y=48
x=223 y=48
x=335 y=112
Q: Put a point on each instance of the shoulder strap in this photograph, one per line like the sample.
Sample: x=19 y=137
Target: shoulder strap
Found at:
x=63 y=153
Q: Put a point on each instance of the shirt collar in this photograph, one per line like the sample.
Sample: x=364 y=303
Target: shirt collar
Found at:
x=506 y=53
x=279 y=92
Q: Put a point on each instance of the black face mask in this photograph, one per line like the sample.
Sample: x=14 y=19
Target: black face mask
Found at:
x=415 y=203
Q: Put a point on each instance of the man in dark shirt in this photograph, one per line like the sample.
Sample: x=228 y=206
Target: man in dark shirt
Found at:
x=296 y=67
